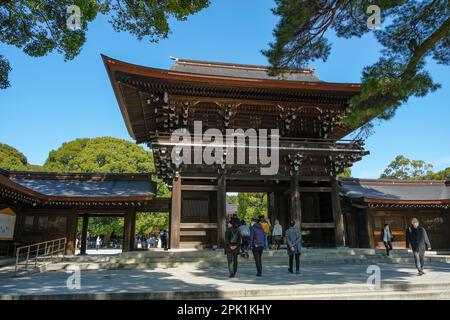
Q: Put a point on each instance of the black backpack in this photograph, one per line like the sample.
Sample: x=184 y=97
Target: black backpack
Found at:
x=234 y=236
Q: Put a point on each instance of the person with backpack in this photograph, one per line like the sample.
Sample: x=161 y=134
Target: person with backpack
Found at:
x=245 y=233
x=266 y=228
x=233 y=240
x=277 y=234
x=257 y=236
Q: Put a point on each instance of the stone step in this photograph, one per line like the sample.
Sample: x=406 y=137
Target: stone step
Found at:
x=209 y=258
x=195 y=255
x=148 y=265
x=317 y=292
x=394 y=295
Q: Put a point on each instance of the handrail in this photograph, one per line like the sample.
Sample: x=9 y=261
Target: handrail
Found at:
x=32 y=257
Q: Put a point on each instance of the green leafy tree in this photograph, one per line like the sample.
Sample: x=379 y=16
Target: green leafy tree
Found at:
x=251 y=205
x=39 y=27
x=412 y=31
x=103 y=154
x=405 y=169
x=106 y=226
x=440 y=175
x=5 y=69
x=147 y=222
x=232 y=199
x=12 y=159
x=347 y=173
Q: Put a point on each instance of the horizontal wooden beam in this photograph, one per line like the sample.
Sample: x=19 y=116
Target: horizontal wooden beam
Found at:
x=319 y=225
x=193 y=233
x=315 y=189
x=198 y=225
x=194 y=187
x=255 y=188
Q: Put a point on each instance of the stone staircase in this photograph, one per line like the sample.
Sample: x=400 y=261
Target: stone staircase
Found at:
x=403 y=291
x=202 y=259
x=202 y=274
x=422 y=291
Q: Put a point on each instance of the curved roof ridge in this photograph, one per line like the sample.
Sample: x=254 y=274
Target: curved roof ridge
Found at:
x=236 y=65
x=392 y=181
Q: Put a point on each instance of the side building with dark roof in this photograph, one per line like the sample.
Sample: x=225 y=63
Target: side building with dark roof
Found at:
x=47 y=205
x=368 y=205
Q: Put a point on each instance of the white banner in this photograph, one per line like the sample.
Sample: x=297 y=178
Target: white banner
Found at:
x=7 y=223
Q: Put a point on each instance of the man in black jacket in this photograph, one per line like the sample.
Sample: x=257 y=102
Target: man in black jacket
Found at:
x=233 y=239
x=417 y=240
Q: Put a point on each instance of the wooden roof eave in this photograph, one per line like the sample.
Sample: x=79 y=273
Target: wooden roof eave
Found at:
x=401 y=202
x=113 y=65
x=118 y=94
x=47 y=198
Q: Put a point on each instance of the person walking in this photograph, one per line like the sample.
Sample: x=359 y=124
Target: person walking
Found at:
x=387 y=238
x=277 y=234
x=98 y=242
x=233 y=240
x=257 y=244
x=245 y=233
x=417 y=240
x=294 y=246
x=165 y=240
x=266 y=227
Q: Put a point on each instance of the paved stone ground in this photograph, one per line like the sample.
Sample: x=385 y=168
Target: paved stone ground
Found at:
x=4 y=261
x=100 y=251
x=95 y=252
x=184 y=279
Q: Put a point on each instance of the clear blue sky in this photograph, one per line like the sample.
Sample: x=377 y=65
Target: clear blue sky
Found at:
x=52 y=101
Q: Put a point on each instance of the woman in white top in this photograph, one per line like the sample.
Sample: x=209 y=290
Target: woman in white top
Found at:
x=277 y=233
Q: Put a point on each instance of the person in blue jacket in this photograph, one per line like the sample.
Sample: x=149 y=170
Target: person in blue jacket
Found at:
x=257 y=236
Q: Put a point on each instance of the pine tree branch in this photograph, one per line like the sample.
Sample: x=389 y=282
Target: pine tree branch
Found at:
x=426 y=45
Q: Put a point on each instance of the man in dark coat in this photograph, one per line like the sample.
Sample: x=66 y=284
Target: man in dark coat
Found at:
x=235 y=220
x=257 y=236
x=233 y=239
x=294 y=246
x=417 y=240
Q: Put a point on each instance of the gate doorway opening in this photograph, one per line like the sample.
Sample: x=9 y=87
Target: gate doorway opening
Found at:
x=247 y=205
x=99 y=234
x=152 y=230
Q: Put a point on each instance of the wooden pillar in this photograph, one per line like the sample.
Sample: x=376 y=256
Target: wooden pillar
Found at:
x=337 y=214
x=349 y=229
x=271 y=210
x=175 y=214
x=296 y=209
x=71 y=232
x=369 y=222
x=280 y=207
x=18 y=225
x=84 y=232
x=129 y=230
x=221 y=209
